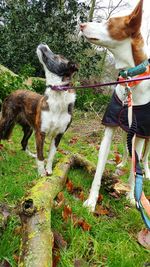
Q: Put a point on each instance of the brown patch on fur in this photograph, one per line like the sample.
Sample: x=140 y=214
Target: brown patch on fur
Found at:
x=137 y=49
x=121 y=28
x=117 y=28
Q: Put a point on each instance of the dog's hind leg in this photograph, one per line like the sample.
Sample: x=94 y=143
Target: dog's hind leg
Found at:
x=6 y=126
x=40 y=137
x=54 y=144
x=27 y=130
x=145 y=159
x=102 y=158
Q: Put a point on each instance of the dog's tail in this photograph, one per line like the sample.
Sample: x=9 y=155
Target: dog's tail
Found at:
x=7 y=121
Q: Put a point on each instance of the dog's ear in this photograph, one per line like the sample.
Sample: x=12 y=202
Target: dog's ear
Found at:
x=135 y=19
x=72 y=67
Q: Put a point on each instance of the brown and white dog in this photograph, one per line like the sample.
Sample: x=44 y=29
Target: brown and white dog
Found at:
x=122 y=37
x=49 y=114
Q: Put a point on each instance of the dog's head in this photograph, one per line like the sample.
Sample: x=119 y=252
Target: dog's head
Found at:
x=121 y=35
x=55 y=64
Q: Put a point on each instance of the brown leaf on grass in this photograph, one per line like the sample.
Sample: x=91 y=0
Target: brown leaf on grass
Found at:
x=80 y=263
x=56 y=257
x=1 y=146
x=66 y=213
x=69 y=186
x=77 y=191
x=60 y=200
x=100 y=198
x=81 y=222
x=59 y=241
x=117 y=157
x=100 y=210
x=16 y=258
x=81 y=196
x=62 y=151
x=73 y=140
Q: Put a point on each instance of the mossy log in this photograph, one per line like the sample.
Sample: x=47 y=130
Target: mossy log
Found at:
x=35 y=213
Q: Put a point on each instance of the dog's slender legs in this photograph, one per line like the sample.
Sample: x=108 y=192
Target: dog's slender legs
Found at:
x=40 y=137
x=145 y=159
x=139 y=142
x=125 y=152
x=27 y=130
x=53 y=148
x=102 y=158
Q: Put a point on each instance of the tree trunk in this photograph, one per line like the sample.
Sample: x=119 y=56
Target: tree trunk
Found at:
x=35 y=212
x=93 y=2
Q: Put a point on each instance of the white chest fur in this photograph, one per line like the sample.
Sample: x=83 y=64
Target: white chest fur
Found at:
x=57 y=118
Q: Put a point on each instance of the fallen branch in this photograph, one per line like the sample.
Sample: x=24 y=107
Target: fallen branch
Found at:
x=35 y=213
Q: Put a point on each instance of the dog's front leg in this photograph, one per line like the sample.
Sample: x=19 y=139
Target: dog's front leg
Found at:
x=40 y=137
x=102 y=158
x=53 y=148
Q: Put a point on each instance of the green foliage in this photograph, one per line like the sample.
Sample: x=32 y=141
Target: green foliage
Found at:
x=28 y=23
x=27 y=70
x=91 y=99
x=38 y=86
x=9 y=83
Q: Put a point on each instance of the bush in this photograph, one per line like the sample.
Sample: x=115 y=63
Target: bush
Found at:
x=92 y=100
x=9 y=83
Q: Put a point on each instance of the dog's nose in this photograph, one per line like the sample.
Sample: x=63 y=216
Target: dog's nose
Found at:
x=82 y=26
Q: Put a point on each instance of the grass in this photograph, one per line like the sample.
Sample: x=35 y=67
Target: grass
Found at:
x=112 y=239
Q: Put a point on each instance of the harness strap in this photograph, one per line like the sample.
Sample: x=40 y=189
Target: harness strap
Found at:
x=134 y=83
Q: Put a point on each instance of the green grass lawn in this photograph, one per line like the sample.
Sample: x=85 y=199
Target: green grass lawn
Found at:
x=112 y=238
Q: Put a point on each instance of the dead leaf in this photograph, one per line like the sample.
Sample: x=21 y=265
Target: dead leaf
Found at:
x=56 y=257
x=100 y=198
x=62 y=151
x=80 y=263
x=1 y=146
x=117 y=157
x=69 y=186
x=59 y=241
x=81 y=222
x=66 y=213
x=73 y=140
x=16 y=258
x=100 y=210
x=60 y=200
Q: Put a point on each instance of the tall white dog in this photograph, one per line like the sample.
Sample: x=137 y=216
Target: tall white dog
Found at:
x=123 y=38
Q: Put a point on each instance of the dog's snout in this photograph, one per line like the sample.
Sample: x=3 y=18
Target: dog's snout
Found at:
x=82 y=26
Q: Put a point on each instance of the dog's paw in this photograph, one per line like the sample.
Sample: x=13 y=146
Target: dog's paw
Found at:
x=49 y=172
x=41 y=169
x=130 y=197
x=90 y=204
